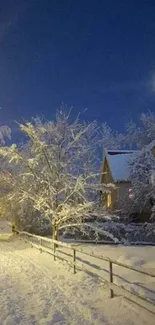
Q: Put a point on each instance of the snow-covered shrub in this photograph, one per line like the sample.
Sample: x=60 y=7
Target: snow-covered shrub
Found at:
x=31 y=220
x=120 y=232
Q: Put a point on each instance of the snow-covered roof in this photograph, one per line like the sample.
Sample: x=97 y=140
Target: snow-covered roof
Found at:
x=150 y=145
x=119 y=163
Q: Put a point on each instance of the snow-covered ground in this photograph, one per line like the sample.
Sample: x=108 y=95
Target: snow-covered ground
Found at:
x=4 y=227
x=36 y=290
x=137 y=257
x=5 y=230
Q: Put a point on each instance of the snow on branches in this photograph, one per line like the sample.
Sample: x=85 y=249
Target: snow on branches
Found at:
x=143 y=133
x=111 y=139
x=4 y=132
x=57 y=170
x=142 y=169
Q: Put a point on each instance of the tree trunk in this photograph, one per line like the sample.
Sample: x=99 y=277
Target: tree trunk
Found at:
x=55 y=232
x=15 y=224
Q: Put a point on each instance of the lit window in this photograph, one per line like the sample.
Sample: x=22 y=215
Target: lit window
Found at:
x=152 y=178
x=109 y=200
x=131 y=195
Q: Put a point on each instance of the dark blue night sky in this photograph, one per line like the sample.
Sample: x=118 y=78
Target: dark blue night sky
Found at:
x=98 y=55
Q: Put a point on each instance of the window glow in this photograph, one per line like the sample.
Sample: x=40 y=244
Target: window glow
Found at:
x=109 y=200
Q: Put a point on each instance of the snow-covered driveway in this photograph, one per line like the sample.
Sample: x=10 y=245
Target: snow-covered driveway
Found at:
x=36 y=290
x=30 y=295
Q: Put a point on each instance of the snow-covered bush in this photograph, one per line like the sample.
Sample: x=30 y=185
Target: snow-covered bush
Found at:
x=32 y=220
x=120 y=232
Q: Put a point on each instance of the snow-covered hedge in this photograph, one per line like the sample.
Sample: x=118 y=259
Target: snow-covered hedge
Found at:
x=39 y=226
x=125 y=233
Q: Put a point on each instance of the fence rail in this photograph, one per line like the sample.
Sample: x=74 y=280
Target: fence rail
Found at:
x=39 y=243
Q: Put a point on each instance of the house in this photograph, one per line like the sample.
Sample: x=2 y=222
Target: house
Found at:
x=151 y=147
x=116 y=170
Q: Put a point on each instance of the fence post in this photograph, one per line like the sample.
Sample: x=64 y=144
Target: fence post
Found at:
x=111 y=279
x=54 y=251
x=74 y=260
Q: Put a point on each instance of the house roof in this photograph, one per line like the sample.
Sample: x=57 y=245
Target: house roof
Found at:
x=150 y=146
x=118 y=161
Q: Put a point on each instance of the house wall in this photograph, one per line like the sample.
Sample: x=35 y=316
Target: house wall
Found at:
x=123 y=195
x=106 y=179
x=119 y=193
x=153 y=151
x=123 y=192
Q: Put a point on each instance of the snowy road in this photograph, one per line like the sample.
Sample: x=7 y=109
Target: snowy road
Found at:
x=35 y=290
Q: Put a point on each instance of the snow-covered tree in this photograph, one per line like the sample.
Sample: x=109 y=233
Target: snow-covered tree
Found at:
x=58 y=170
x=5 y=131
x=111 y=139
x=142 y=133
x=142 y=168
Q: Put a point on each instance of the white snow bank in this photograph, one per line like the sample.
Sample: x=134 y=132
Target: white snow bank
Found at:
x=4 y=227
x=138 y=257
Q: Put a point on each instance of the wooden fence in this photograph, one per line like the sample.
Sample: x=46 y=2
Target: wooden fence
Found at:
x=52 y=246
